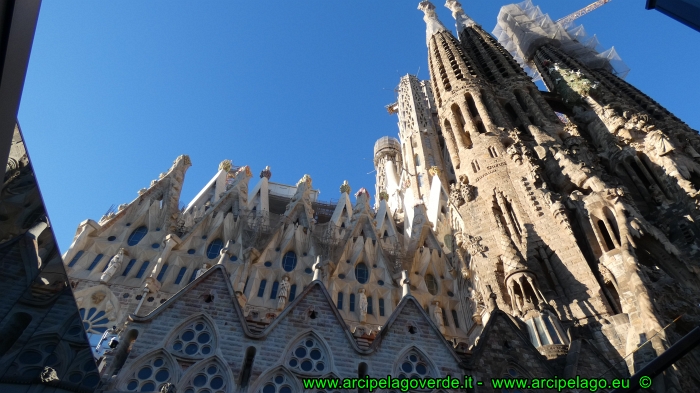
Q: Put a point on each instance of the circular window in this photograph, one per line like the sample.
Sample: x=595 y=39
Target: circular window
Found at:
x=268 y=264
x=194 y=340
x=149 y=375
x=112 y=238
x=278 y=384
x=208 y=379
x=191 y=251
x=137 y=235
x=289 y=262
x=413 y=366
x=361 y=273
x=341 y=276
x=308 y=270
x=380 y=282
x=233 y=258
x=155 y=245
x=450 y=294
x=431 y=283
x=214 y=248
x=308 y=357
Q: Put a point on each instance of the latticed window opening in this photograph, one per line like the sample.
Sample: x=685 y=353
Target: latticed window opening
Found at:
x=210 y=379
x=413 y=366
x=197 y=339
x=277 y=384
x=308 y=357
x=150 y=376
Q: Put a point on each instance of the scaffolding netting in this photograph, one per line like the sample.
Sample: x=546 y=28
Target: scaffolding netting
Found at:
x=522 y=28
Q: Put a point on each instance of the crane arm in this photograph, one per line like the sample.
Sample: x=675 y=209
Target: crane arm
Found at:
x=583 y=11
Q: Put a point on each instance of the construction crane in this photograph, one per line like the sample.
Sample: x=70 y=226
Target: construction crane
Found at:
x=565 y=21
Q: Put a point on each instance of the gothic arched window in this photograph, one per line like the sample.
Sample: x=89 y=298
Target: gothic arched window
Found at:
x=308 y=356
x=277 y=382
x=431 y=283
x=150 y=374
x=137 y=235
x=206 y=377
x=289 y=262
x=194 y=339
x=214 y=248
x=413 y=365
x=361 y=273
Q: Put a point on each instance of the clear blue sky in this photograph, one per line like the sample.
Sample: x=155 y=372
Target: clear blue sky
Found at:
x=116 y=90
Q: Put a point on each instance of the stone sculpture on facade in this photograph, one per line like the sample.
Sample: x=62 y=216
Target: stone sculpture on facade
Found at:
x=114 y=265
x=362 y=303
x=283 y=293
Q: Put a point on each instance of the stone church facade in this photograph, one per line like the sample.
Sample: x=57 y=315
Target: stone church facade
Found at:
x=506 y=239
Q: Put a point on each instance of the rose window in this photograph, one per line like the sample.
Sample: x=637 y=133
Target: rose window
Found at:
x=196 y=340
x=150 y=376
x=210 y=379
x=308 y=357
x=279 y=384
x=413 y=366
x=94 y=321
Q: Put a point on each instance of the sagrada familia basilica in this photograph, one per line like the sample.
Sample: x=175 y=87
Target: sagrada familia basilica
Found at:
x=513 y=232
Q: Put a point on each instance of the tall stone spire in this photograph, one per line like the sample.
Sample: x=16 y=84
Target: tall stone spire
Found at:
x=462 y=20
x=433 y=24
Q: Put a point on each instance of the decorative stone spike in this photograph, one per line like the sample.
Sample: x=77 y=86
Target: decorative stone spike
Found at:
x=266 y=173
x=304 y=179
x=462 y=20
x=345 y=188
x=362 y=191
x=225 y=165
x=433 y=24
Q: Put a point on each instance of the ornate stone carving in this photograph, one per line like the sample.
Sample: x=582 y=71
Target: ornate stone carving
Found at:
x=168 y=388
x=345 y=188
x=362 y=191
x=514 y=153
x=468 y=192
x=305 y=179
x=266 y=173
x=225 y=165
x=659 y=142
x=98 y=297
x=384 y=196
x=434 y=171
x=245 y=169
x=456 y=195
x=48 y=374
x=471 y=243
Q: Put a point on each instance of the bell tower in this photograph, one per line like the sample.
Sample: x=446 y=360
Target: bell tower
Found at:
x=502 y=140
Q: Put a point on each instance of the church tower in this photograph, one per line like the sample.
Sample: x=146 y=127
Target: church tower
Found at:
x=505 y=143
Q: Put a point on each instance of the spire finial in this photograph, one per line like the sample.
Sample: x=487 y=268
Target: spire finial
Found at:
x=462 y=20
x=433 y=24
